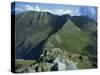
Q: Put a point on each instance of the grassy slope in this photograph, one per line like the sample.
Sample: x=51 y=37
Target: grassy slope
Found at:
x=71 y=38
x=31 y=29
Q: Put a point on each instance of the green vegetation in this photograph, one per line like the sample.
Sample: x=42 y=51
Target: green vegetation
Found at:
x=20 y=63
x=72 y=39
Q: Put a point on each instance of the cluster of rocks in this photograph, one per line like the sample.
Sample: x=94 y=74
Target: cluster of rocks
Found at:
x=55 y=59
x=50 y=60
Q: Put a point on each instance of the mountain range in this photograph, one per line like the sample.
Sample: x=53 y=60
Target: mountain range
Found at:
x=39 y=32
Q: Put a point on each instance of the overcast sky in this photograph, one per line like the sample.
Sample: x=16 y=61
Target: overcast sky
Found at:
x=58 y=9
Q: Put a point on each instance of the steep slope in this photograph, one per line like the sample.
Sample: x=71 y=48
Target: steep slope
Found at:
x=86 y=24
x=32 y=29
x=72 y=39
x=89 y=26
x=29 y=31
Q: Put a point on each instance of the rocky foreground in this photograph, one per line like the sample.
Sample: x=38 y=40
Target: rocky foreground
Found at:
x=54 y=59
